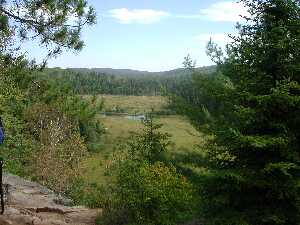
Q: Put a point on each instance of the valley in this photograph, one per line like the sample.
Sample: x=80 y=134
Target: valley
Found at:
x=119 y=129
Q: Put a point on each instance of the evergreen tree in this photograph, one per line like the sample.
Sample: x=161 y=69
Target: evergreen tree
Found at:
x=56 y=24
x=28 y=104
x=151 y=143
x=254 y=159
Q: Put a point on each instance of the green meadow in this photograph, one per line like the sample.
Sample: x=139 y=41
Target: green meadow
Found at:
x=118 y=129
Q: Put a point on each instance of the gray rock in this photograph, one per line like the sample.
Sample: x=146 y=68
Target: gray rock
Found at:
x=31 y=203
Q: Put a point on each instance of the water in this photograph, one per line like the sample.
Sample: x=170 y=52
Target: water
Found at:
x=135 y=117
x=129 y=117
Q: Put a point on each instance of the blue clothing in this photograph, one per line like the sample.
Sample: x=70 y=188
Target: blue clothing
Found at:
x=1 y=135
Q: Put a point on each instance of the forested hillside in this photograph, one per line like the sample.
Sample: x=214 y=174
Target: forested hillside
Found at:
x=134 y=73
x=123 y=82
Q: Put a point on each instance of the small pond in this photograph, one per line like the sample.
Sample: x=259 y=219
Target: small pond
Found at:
x=135 y=117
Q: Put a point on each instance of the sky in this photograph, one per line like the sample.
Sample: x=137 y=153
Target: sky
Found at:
x=152 y=35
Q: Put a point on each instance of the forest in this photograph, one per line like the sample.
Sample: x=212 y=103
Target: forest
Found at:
x=214 y=145
x=116 y=82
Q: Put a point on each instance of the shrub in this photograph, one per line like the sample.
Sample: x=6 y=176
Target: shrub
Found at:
x=150 y=194
x=88 y=194
x=59 y=147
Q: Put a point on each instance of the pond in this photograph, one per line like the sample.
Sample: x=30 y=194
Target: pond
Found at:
x=135 y=117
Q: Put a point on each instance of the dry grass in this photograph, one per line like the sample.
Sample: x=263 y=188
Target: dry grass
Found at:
x=133 y=104
x=118 y=130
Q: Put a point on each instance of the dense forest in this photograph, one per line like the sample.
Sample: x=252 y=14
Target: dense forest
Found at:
x=123 y=82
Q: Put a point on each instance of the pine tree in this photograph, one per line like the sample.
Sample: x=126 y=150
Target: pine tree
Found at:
x=254 y=159
x=55 y=24
x=151 y=143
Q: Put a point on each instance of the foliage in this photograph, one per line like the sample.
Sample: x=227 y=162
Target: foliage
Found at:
x=91 y=82
x=84 y=112
x=58 y=147
x=47 y=127
x=205 y=97
x=188 y=97
x=81 y=111
x=88 y=194
x=188 y=63
x=148 y=194
x=144 y=190
x=150 y=144
x=41 y=119
x=56 y=24
x=254 y=159
x=42 y=126
x=12 y=102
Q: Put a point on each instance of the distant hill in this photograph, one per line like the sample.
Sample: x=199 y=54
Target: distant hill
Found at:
x=123 y=81
x=129 y=72
x=110 y=71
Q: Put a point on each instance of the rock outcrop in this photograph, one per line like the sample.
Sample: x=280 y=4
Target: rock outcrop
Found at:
x=28 y=203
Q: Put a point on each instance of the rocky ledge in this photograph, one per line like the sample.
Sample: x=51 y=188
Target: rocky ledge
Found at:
x=28 y=203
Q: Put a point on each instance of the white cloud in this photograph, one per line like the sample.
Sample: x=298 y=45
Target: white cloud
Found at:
x=141 y=16
x=220 y=12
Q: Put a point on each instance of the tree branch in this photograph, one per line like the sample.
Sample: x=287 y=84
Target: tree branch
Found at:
x=35 y=23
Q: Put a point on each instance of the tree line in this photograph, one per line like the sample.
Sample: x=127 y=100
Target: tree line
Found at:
x=85 y=82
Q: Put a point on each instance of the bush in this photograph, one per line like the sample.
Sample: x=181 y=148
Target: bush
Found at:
x=59 y=147
x=88 y=194
x=150 y=194
x=144 y=190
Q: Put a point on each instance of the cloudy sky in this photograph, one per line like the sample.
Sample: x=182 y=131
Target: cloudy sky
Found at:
x=153 y=35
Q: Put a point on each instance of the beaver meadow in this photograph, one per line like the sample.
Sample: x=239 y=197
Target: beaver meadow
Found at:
x=211 y=138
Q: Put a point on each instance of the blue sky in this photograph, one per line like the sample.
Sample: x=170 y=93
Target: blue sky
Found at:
x=153 y=35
